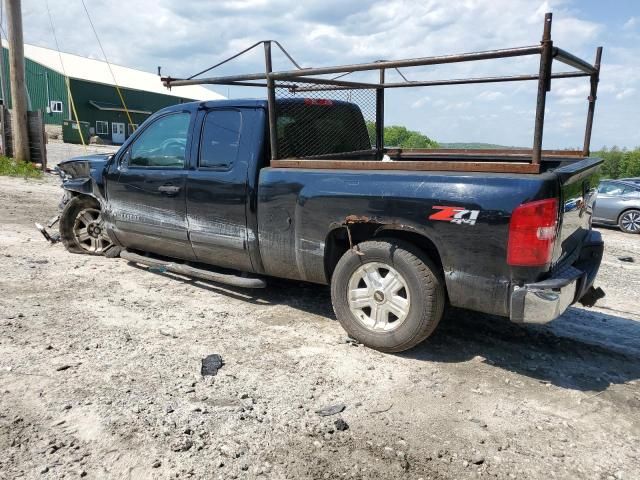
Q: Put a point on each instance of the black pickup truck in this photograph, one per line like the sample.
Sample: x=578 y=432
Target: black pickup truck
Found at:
x=194 y=187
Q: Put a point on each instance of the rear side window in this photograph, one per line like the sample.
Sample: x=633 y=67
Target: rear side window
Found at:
x=220 y=139
x=616 y=189
x=610 y=189
x=320 y=127
x=162 y=144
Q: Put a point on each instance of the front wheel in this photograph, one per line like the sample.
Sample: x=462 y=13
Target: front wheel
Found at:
x=390 y=298
x=630 y=221
x=82 y=229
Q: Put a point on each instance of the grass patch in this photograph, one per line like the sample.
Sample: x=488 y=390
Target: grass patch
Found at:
x=9 y=167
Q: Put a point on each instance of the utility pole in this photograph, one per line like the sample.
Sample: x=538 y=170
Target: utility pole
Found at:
x=16 y=77
x=2 y=81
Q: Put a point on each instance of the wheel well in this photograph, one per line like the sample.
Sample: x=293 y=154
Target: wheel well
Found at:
x=74 y=194
x=338 y=243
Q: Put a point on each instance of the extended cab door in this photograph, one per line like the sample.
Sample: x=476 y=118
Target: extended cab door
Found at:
x=146 y=188
x=219 y=189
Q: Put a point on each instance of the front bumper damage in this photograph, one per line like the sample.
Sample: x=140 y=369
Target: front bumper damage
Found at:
x=546 y=300
x=50 y=237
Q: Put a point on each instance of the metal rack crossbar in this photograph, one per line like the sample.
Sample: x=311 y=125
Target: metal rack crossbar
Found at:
x=311 y=80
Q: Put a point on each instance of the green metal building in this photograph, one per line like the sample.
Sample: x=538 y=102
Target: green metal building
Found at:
x=94 y=93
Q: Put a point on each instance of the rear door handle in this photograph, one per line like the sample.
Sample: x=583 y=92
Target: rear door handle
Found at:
x=169 y=189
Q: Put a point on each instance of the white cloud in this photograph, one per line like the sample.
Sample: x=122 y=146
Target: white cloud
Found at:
x=572 y=32
x=627 y=92
x=421 y=102
x=570 y=93
x=631 y=24
x=490 y=96
x=457 y=106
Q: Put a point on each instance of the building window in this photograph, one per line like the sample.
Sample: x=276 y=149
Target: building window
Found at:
x=102 y=128
x=55 y=106
x=132 y=128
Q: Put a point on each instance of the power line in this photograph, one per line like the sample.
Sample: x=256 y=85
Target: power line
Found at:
x=107 y=62
x=66 y=78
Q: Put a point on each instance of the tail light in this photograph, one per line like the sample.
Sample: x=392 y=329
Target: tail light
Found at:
x=532 y=233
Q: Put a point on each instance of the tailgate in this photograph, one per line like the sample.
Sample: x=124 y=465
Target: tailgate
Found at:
x=578 y=190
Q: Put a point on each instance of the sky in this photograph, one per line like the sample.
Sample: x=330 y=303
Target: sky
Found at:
x=187 y=36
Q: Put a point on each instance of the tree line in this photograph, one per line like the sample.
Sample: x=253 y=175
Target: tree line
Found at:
x=398 y=136
x=619 y=162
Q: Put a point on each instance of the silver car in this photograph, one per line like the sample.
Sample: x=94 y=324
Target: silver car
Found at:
x=618 y=203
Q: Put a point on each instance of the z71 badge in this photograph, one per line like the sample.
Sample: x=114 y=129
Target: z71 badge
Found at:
x=458 y=215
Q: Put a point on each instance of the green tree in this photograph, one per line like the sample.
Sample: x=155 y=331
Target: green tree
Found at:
x=630 y=164
x=398 y=136
x=619 y=163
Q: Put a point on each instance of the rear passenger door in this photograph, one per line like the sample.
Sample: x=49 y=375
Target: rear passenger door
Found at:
x=217 y=188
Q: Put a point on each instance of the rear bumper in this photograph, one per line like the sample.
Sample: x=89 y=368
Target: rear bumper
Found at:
x=544 y=301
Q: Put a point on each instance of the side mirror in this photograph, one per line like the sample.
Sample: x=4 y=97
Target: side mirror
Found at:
x=123 y=161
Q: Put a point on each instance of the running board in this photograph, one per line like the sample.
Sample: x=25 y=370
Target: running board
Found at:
x=189 y=271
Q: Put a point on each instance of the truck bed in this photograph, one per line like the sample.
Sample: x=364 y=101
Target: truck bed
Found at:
x=304 y=210
x=467 y=160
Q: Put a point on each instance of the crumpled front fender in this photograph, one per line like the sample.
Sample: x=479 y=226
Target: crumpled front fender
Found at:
x=84 y=175
x=79 y=185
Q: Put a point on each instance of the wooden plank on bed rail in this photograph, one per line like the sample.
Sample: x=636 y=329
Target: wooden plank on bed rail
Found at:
x=459 y=166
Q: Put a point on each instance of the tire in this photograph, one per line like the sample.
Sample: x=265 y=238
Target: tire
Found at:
x=629 y=221
x=387 y=313
x=82 y=229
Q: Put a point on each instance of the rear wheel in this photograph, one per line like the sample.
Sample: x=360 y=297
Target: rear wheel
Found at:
x=629 y=221
x=82 y=229
x=390 y=298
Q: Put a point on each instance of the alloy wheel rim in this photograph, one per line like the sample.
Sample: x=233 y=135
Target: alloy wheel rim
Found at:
x=379 y=297
x=631 y=221
x=89 y=231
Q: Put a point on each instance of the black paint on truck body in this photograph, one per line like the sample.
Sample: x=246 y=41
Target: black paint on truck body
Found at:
x=286 y=222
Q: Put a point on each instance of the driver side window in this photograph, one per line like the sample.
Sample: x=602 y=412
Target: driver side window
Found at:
x=162 y=144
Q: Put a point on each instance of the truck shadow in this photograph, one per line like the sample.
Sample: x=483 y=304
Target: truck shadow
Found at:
x=308 y=297
x=582 y=350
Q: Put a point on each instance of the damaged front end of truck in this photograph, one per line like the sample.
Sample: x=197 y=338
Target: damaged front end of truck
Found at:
x=83 y=184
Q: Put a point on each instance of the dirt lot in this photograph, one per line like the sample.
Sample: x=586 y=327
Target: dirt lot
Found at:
x=100 y=377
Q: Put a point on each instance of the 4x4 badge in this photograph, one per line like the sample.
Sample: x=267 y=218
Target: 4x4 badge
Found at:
x=457 y=215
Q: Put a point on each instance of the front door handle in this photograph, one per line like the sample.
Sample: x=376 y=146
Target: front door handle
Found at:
x=169 y=189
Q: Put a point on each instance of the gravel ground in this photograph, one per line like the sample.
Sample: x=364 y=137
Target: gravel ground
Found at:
x=100 y=377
